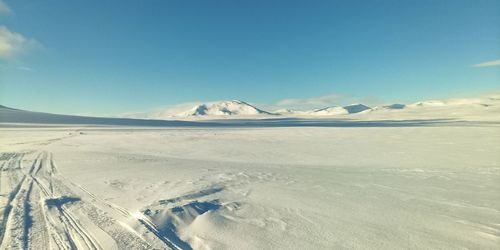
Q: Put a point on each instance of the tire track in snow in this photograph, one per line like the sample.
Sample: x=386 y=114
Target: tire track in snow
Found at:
x=7 y=213
x=12 y=192
x=71 y=224
x=28 y=219
x=15 y=227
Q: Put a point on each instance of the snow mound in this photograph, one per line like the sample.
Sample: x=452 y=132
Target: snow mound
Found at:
x=290 y=112
x=284 y=111
x=335 y=110
x=356 y=108
x=395 y=106
x=225 y=108
x=433 y=103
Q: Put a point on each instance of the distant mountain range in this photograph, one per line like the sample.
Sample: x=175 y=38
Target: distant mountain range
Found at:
x=433 y=108
x=479 y=108
x=237 y=108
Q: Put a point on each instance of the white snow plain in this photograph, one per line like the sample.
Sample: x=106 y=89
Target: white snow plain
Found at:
x=349 y=187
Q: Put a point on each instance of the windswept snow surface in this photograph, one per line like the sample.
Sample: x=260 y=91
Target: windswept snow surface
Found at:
x=357 y=187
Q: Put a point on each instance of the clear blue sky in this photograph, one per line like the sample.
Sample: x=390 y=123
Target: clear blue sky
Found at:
x=127 y=56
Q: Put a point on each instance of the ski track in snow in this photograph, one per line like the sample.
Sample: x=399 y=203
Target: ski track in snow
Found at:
x=43 y=210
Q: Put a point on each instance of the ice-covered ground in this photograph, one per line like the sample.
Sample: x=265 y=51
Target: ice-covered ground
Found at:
x=415 y=187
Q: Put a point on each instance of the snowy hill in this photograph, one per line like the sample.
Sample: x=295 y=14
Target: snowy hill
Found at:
x=224 y=108
x=284 y=111
x=464 y=102
x=290 y=112
x=478 y=108
x=349 y=109
x=391 y=106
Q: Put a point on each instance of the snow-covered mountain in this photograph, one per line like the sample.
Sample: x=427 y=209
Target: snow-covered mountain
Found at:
x=224 y=108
